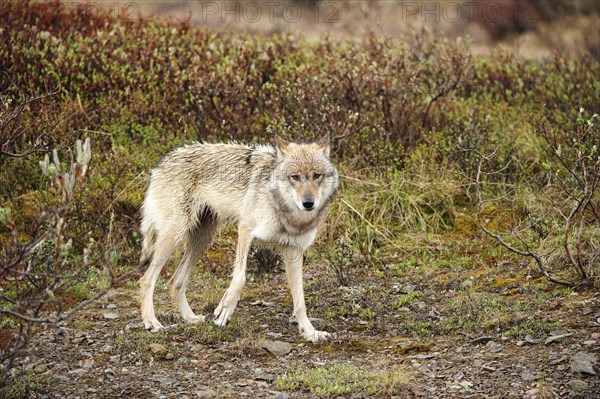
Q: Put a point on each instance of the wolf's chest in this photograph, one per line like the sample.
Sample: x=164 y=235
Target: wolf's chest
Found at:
x=274 y=232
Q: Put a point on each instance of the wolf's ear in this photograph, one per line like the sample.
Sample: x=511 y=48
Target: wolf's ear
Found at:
x=324 y=143
x=281 y=145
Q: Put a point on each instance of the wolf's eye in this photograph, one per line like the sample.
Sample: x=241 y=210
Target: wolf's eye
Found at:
x=295 y=177
x=317 y=176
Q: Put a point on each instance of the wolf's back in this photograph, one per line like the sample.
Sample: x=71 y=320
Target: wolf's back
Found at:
x=195 y=178
x=214 y=163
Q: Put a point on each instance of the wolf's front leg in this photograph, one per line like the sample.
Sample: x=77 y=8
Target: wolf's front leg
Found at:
x=230 y=299
x=293 y=258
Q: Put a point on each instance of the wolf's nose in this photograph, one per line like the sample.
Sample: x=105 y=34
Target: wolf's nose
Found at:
x=308 y=205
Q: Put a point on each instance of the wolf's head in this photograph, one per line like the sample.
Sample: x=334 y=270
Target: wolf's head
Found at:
x=304 y=177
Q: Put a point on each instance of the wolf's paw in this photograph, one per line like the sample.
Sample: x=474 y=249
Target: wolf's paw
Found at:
x=225 y=309
x=153 y=325
x=223 y=314
x=316 y=336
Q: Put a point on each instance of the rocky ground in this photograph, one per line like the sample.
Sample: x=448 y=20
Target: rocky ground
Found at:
x=431 y=341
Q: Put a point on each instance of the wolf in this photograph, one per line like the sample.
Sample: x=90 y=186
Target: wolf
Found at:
x=277 y=194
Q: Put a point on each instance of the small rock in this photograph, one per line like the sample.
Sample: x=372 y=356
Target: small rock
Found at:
x=590 y=342
x=107 y=349
x=206 y=394
x=577 y=385
x=40 y=368
x=494 y=347
x=260 y=375
x=278 y=395
x=111 y=316
x=467 y=283
x=529 y=376
x=533 y=341
x=111 y=306
x=135 y=325
x=583 y=362
x=487 y=367
x=482 y=340
x=559 y=360
x=88 y=363
x=183 y=360
x=595 y=336
x=158 y=349
x=408 y=288
x=546 y=392
x=557 y=337
x=109 y=371
x=197 y=347
x=61 y=332
x=558 y=332
x=169 y=356
x=278 y=348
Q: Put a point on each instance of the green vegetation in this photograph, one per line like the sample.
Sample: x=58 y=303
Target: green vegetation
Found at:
x=341 y=379
x=26 y=386
x=535 y=328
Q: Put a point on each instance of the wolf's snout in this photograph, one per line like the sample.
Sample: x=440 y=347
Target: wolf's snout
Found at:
x=308 y=205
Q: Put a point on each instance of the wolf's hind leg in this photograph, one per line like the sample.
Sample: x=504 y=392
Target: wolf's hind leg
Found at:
x=230 y=299
x=198 y=240
x=163 y=248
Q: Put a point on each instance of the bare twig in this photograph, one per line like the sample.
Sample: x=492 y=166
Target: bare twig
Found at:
x=527 y=252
